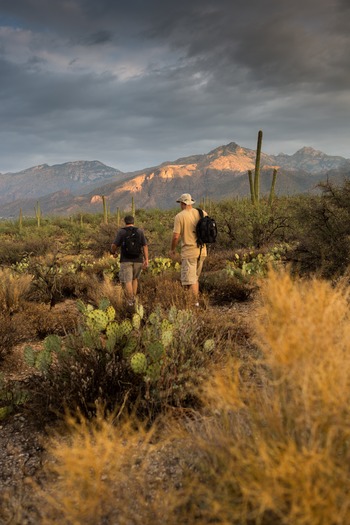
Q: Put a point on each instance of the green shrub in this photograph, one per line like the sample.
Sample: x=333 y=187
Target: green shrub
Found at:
x=98 y=362
x=324 y=232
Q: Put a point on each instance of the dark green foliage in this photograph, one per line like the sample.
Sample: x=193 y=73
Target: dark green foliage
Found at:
x=102 y=238
x=224 y=288
x=13 y=249
x=240 y=226
x=324 y=232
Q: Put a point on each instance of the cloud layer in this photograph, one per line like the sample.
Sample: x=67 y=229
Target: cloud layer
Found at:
x=135 y=83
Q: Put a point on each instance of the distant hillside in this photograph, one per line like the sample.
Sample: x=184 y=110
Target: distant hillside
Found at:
x=74 y=177
x=74 y=187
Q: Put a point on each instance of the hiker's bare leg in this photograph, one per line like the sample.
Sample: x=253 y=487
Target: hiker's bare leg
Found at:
x=195 y=290
x=129 y=293
x=134 y=287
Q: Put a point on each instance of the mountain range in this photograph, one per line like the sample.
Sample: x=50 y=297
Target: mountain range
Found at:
x=73 y=187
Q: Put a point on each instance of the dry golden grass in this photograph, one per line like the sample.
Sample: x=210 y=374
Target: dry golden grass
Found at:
x=272 y=446
x=13 y=288
x=276 y=447
x=99 y=471
x=105 y=289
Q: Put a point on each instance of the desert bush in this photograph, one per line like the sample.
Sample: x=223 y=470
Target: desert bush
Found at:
x=101 y=240
x=223 y=287
x=164 y=289
x=158 y=225
x=242 y=225
x=159 y=361
x=274 y=445
x=7 y=335
x=324 y=232
x=13 y=250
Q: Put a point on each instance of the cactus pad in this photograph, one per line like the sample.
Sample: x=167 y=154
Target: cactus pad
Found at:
x=130 y=346
x=155 y=351
x=209 y=345
x=136 y=321
x=110 y=311
x=138 y=363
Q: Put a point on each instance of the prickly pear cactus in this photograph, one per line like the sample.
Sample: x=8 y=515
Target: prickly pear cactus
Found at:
x=139 y=309
x=153 y=371
x=130 y=346
x=209 y=345
x=110 y=312
x=125 y=327
x=167 y=337
x=53 y=343
x=138 y=363
x=104 y=304
x=156 y=351
x=153 y=318
x=29 y=356
x=97 y=320
x=136 y=321
x=113 y=330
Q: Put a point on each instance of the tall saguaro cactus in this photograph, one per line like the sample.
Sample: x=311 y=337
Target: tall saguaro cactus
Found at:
x=105 y=211
x=118 y=217
x=273 y=184
x=133 y=209
x=38 y=213
x=257 y=169
x=254 y=183
x=20 y=221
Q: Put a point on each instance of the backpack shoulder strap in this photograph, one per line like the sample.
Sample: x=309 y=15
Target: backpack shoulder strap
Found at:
x=201 y=214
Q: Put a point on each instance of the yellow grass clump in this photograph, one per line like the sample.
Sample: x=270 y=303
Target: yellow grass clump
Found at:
x=12 y=289
x=272 y=446
x=276 y=448
x=99 y=475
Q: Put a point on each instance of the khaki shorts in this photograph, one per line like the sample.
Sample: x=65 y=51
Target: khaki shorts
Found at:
x=129 y=271
x=191 y=270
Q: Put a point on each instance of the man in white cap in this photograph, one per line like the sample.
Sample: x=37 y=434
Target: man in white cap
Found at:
x=192 y=257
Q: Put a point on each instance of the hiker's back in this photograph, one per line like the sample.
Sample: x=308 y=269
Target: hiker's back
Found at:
x=186 y=222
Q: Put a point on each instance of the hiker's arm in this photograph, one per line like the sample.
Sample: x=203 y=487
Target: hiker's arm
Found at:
x=114 y=250
x=174 y=243
x=145 y=256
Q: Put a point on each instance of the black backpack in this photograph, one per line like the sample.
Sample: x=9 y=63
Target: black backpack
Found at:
x=132 y=246
x=206 y=229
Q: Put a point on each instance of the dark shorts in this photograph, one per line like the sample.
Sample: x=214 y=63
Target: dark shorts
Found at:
x=129 y=271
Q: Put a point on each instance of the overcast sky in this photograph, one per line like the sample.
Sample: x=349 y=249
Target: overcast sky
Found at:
x=134 y=83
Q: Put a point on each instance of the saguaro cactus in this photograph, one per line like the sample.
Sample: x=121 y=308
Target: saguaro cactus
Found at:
x=257 y=168
x=118 y=217
x=38 y=213
x=20 y=221
x=133 y=209
x=273 y=184
x=105 y=211
x=254 y=183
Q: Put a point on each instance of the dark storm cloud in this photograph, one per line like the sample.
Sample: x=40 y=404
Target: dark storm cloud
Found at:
x=137 y=82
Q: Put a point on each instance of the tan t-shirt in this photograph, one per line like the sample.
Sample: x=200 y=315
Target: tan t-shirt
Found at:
x=185 y=224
